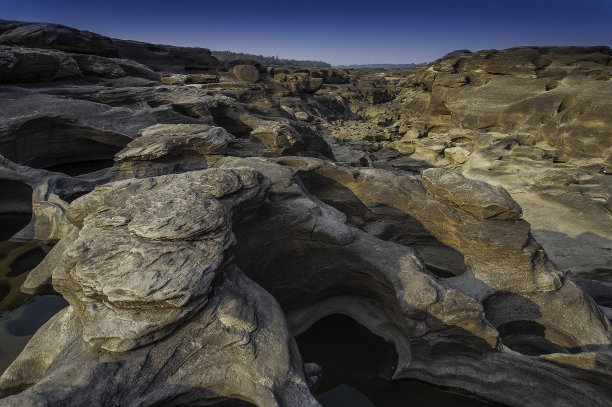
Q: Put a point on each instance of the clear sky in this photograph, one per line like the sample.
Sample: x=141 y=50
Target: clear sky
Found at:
x=339 y=32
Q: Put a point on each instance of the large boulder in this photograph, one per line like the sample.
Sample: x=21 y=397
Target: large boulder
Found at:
x=165 y=299
x=247 y=73
x=477 y=197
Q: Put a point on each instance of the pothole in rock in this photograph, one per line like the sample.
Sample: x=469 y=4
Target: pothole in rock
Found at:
x=15 y=207
x=518 y=321
x=528 y=338
x=83 y=167
x=231 y=124
x=357 y=367
x=63 y=145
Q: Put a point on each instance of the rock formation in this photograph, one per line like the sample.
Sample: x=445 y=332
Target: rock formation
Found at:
x=202 y=214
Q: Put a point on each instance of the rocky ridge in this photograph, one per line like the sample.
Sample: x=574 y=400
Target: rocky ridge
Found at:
x=203 y=214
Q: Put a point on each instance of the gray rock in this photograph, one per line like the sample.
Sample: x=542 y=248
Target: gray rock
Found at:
x=163 y=139
x=237 y=346
x=166 y=58
x=141 y=255
x=98 y=66
x=56 y=36
x=136 y=69
x=35 y=65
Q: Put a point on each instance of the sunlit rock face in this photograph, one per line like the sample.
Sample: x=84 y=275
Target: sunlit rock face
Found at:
x=197 y=215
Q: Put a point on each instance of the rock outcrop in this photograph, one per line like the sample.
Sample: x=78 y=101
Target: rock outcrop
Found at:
x=198 y=215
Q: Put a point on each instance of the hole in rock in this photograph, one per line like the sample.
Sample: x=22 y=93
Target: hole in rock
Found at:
x=521 y=327
x=15 y=207
x=357 y=366
x=84 y=167
x=64 y=145
x=387 y=223
x=528 y=338
x=233 y=125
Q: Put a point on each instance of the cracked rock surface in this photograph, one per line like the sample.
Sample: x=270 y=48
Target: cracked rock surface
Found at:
x=198 y=215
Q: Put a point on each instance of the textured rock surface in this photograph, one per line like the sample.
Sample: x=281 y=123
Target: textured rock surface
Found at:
x=237 y=346
x=142 y=255
x=475 y=197
x=246 y=73
x=55 y=36
x=466 y=221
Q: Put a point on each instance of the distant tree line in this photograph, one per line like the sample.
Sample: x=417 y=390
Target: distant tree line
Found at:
x=382 y=66
x=275 y=61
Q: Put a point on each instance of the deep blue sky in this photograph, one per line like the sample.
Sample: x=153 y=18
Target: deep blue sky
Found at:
x=339 y=32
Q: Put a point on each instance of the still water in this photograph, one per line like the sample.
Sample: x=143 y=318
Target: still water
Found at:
x=357 y=367
x=21 y=315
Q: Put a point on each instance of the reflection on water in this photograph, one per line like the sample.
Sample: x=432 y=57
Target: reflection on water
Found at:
x=20 y=318
x=16 y=260
x=357 y=367
x=18 y=326
x=343 y=395
x=13 y=223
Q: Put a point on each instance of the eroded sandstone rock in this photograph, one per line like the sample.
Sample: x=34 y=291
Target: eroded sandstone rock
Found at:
x=163 y=257
x=476 y=197
x=198 y=168
x=247 y=73
x=31 y=65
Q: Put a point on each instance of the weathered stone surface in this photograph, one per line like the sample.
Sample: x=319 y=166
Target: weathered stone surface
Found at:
x=141 y=255
x=161 y=140
x=305 y=267
x=247 y=73
x=476 y=197
x=55 y=36
x=176 y=79
x=607 y=162
x=166 y=58
x=160 y=191
x=98 y=66
x=237 y=346
x=32 y=65
x=33 y=193
x=136 y=69
x=300 y=82
x=544 y=91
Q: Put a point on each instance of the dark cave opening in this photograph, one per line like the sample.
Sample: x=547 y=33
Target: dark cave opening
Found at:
x=232 y=124
x=357 y=368
x=64 y=145
x=82 y=167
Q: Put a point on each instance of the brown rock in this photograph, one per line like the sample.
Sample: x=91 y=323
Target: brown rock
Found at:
x=247 y=73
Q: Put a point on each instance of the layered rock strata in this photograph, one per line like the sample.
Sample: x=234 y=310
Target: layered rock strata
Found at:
x=204 y=213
